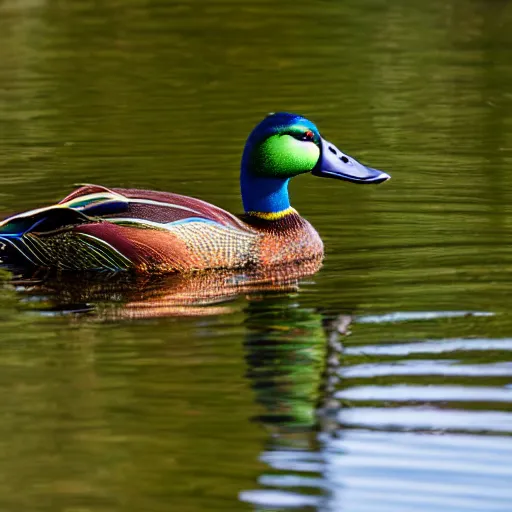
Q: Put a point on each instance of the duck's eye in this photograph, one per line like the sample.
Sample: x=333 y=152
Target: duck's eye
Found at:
x=309 y=136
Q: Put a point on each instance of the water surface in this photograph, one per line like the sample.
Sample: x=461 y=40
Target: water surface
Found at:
x=381 y=383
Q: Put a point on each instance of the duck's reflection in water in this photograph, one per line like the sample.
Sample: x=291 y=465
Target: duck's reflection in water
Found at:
x=126 y=296
x=293 y=357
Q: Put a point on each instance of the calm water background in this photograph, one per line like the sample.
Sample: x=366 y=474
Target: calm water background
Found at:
x=259 y=403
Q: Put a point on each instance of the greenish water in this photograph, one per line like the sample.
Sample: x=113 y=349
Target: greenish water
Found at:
x=384 y=381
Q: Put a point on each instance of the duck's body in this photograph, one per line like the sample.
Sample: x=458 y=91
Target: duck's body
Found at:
x=97 y=228
x=147 y=231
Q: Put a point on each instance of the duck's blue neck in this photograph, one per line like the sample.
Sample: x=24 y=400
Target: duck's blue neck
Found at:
x=264 y=195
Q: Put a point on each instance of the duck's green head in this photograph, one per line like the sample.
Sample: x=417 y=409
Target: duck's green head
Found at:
x=285 y=145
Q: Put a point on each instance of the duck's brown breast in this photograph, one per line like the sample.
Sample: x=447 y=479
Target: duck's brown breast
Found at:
x=291 y=238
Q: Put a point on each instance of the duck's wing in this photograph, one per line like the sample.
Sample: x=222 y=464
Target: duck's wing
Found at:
x=43 y=237
x=160 y=207
x=96 y=227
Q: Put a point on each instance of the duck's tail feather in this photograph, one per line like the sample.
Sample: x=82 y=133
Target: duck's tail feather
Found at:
x=78 y=210
x=20 y=235
x=40 y=221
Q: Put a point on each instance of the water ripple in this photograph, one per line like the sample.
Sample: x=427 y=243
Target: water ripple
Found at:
x=407 y=316
x=407 y=392
x=432 y=347
x=423 y=418
x=413 y=471
x=427 y=367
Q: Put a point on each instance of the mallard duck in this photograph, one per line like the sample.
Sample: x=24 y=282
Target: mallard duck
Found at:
x=100 y=228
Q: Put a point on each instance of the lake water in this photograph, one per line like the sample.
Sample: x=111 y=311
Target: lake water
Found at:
x=383 y=382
